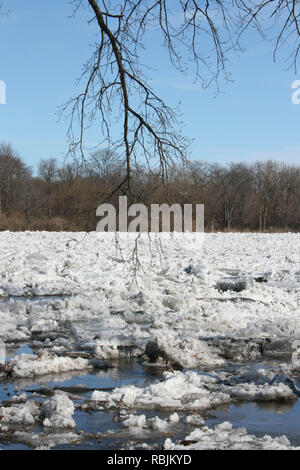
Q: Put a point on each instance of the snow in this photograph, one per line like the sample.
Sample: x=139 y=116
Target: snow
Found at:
x=180 y=391
x=139 y=423
x=258 y=385
x=196 y=420
x=44 y=441
x=63 y=292
x=224 y=437
x=251 y=392
x=27 y=365
x=26 y=413
x=58 y=411
x=176 y=297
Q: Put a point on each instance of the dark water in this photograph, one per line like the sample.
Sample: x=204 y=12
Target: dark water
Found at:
x=273 y=418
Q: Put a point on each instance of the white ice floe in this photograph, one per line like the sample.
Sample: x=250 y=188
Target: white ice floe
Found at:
x=180 y=391
x=252 y=392
x=174 y=301
x=195 y=420
x=139 y=423
x=57 y=412
x=224 y=437
x=27 y=365
x=77 y=291
x=20 y=413
x=258 y=385
x=45 y=441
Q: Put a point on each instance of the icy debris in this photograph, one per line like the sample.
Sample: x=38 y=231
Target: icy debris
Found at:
x=36 y=258
x=224 y=437
x=199 y=269
x=277 y=346
x=188 y=352
x=253 y=375
x=159 y=425
x=158 y=356
x=236 y=349
x=192 y=322
x=252 y=392
x=235 y=284
x=181 y=391
x=174 y=418
x=140 y=423
x=116 y=347
x=259 y=385
x=294 y=368
x=41 y=326
x=135 y=421
x=20 y=413
x=27 y=365
x=2 y=352
x=173 y=302
x=57 y=412
x=11 y=331
x=104 y=291
x=45 y=440
x=195 y=420
x=262 y=278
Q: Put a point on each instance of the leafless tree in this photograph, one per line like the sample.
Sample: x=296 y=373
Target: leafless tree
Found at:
x=13 y=174
x=267 y=179
x=263 y=196
x=290 y=195
x=103 y=163
x=48 y=172
x=201 y=33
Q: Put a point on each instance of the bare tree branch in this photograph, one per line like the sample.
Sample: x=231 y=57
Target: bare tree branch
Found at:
x=202 y=33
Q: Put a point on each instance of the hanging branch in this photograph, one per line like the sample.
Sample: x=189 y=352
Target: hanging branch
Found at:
x=116 y=92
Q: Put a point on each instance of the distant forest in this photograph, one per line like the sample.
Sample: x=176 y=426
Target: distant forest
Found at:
x=264 y=196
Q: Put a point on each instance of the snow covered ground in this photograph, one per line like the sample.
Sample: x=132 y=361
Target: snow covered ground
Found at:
x=199 y=309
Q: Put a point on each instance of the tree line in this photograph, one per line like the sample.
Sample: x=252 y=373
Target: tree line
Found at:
x=263 y=196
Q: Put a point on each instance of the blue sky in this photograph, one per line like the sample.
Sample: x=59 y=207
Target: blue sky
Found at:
x=42 y=53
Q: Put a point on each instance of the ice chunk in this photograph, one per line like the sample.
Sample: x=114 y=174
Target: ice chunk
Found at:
x=58 y=411
x=20 y=413
x=181 y=391
x=235 y=284
x=224 y=437
x=27 y=365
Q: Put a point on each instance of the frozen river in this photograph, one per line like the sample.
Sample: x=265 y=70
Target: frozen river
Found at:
x=177 y=345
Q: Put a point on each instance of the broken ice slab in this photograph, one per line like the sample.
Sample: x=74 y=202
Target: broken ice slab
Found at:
x=230 y=272
x=2 y=352
x=235 y=284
